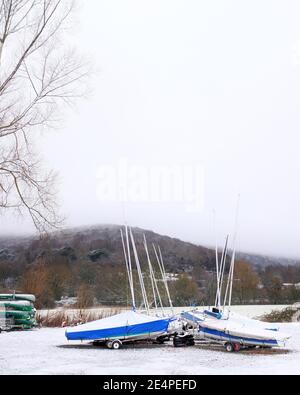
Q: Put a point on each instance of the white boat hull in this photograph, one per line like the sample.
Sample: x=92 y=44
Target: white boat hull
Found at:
x=235 y=329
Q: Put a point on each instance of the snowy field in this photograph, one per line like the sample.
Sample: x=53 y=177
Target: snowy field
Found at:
x=46 y=351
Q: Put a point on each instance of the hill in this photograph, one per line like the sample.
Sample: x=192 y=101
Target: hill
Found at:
x=88 y=263
x=85 y=242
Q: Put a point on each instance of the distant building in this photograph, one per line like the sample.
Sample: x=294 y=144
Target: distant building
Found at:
x=290 y=285
x=171 y=277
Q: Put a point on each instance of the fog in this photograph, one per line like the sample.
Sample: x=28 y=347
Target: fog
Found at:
x=199 y=102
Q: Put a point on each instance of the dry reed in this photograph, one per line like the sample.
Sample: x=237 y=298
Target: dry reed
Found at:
x=64 y=318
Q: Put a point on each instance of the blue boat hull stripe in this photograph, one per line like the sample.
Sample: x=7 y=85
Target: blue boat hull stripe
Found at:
x=131 y=331
x=223 y=335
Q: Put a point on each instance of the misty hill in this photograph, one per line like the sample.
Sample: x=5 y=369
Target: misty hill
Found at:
x=103 y=244
x=88 y=264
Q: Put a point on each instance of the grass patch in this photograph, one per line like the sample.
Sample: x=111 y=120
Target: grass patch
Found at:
x=285 y=315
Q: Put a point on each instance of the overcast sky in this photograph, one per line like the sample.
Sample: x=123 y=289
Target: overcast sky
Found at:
x=208 y=91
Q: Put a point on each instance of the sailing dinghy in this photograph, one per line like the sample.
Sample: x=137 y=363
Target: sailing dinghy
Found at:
x=129 y=326
x=221 y=325
x=235 y=331
x=124 y=327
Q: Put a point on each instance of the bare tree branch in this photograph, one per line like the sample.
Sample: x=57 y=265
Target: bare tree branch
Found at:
x=38 y=76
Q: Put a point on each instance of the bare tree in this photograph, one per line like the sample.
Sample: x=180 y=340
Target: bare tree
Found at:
x=38 y=74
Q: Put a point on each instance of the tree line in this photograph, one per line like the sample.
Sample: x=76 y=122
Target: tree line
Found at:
x=99 y=282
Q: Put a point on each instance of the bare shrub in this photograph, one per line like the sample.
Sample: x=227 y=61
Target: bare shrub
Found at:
x=59 y=319
x=285 y=315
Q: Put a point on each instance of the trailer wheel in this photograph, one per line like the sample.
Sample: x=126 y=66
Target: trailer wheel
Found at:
x=116 y=345
x=109 y=344
x=229 y=347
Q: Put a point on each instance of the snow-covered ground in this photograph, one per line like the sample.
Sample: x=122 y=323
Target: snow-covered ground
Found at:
x=46 y=351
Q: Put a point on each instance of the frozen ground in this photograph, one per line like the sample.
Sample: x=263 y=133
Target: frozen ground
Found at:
x=46 y=351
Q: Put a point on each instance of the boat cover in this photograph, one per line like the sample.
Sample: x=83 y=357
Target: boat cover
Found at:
x=241 y=332
x=122 y=326
x=236 y=328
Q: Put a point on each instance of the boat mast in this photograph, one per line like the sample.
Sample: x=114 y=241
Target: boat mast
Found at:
x=152 y=275
x=163 y=277
x=128 y=272
x=234 y=251
x=144 y=294
x=222 y=270
x=231 y=282
x=166 y=281
x=217 y=301
x=150 y=271
x=130 y=266
x=232 y=265
x=157 y=291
